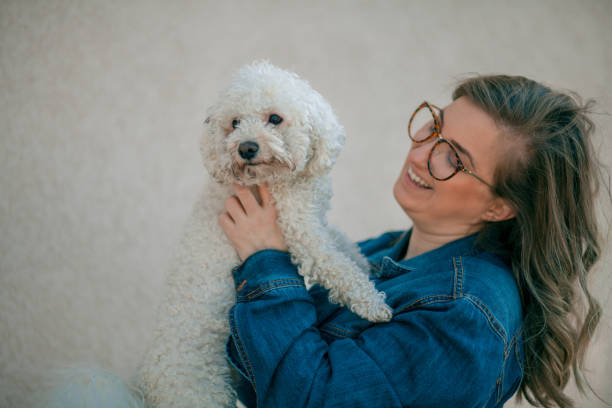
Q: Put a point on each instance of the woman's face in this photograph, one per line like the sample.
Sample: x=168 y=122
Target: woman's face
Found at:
x=460 y=205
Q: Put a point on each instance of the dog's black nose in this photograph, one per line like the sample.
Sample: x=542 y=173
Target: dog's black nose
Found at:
x=248 y=150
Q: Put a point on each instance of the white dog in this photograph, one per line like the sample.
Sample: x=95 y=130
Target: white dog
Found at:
x=267 y=126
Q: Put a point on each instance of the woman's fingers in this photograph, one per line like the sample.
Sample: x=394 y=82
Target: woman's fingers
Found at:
x=244 y=202
x=226 y=221
x=234 y=208
x=266 y=197
x=246 y=197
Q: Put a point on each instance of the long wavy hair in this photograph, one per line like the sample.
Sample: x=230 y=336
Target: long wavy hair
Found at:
x=551 y=175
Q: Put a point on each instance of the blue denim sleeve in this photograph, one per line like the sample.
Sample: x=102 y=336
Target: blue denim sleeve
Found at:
x=428 y=357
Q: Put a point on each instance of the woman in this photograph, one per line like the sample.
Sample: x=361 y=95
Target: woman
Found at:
x=486 y=285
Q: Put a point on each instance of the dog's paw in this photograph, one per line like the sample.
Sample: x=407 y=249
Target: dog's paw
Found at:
x=381 y=313
x=377 y=311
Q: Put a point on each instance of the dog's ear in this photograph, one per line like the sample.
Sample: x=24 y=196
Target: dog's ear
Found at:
x=207 y=146
x=327 y=136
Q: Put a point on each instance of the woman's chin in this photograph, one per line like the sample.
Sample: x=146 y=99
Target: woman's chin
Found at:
x=402 y=196
x=409 y=198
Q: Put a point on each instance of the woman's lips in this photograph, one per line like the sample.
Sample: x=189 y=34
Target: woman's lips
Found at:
x=415 y=181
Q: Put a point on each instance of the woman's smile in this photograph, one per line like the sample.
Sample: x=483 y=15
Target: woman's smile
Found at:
x=415 y=181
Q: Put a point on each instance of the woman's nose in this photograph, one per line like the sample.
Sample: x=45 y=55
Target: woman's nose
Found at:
x=420 y=151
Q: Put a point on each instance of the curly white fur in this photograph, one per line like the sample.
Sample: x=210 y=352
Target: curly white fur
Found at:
x=186 y=366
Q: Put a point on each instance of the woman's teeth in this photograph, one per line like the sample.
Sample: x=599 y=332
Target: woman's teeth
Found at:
x=416 y=179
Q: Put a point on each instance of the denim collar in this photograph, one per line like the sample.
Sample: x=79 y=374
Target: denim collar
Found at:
x=387 y=263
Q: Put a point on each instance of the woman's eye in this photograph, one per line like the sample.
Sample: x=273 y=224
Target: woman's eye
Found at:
x=452 y=160
x=235 y=123
x=275 y=119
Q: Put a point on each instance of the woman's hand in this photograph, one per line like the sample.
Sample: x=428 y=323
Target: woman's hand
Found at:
x=251 y=226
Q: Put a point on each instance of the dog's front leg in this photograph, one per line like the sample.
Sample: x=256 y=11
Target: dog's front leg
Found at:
x=344 y=244
x=314 y=249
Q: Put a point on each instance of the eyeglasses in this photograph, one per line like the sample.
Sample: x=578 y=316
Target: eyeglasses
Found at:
x=443 y=161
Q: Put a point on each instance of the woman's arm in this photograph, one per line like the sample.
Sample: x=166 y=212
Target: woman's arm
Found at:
x=441 y=354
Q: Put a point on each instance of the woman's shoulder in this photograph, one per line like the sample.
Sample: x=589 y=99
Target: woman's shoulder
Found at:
x=476 y=278
x=489 y=284
x=456 y=271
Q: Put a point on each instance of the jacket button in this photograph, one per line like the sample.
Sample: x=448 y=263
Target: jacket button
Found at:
x=241 y=285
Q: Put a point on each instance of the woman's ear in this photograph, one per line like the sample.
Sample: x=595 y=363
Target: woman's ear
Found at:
x=500 y=209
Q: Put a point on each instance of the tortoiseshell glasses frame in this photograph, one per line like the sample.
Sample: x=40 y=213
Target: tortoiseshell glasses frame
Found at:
x=437 y=132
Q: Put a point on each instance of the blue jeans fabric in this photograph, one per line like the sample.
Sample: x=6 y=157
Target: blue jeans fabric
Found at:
x=454 y=339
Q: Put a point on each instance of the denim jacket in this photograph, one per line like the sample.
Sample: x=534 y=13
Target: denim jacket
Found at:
x=454 y=339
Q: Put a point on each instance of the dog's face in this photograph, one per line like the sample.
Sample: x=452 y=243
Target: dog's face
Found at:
x=269 y=125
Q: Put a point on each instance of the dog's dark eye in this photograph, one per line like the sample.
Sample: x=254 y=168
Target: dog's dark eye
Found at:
x=235 y=123
x=275 y=119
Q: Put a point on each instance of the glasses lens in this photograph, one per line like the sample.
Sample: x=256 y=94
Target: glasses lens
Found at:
x=422 y=125
x=443 y=161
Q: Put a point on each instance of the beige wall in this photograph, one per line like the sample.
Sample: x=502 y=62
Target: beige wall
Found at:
x=101 y=107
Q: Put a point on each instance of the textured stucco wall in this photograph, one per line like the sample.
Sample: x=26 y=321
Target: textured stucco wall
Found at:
x=101 y=105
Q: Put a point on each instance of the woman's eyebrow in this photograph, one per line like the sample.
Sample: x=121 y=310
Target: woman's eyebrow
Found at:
x=456 y=144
